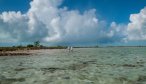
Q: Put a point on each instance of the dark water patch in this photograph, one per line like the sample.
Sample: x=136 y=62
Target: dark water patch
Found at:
x=140 y=62
x=67 y=78
x=90 y=62
x=11 y=80
x=51 y=69
x=142 y=79
x=20 y=69
x=119 y=65
x=103 y=65
x=14 y=54
x=81 y=65
x=2 y=77
x=132 y=65
x=124 y=79
x=78 y=66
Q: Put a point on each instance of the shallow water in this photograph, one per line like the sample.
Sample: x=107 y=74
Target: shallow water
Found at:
x=119 y=65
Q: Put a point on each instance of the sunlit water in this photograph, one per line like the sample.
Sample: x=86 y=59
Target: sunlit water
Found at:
x=126 y=65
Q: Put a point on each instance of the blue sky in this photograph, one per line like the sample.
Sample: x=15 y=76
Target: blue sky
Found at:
x=14 y=5
x=108 y=15
x=111 y=10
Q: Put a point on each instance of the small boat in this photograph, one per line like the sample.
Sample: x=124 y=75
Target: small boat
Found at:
x=70 y=48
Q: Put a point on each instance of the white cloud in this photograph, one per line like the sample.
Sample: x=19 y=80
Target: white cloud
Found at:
x=137 y=27
x=45 y=21
x=13 y=24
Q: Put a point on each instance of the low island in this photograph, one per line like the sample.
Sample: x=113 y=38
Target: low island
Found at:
x=25 y=50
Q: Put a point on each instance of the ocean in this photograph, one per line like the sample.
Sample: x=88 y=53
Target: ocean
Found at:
x=109 y=65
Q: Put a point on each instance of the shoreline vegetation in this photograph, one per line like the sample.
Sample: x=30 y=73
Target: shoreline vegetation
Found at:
x=25 y=50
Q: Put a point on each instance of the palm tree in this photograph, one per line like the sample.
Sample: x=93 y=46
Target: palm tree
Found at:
x=37 y=43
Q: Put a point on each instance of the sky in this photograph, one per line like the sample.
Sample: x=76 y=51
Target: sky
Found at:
x=73 y=22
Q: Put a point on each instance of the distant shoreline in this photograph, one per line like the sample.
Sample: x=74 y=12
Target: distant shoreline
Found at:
x=25 y=51
x=19 y=51
x=14 y=53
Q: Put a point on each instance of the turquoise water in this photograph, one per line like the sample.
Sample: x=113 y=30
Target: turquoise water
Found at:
x=119 y=65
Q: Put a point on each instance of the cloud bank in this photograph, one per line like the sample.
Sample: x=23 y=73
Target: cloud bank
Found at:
x=47 y=22
x=137 y=27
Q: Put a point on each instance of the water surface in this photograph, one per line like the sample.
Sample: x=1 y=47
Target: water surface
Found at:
x=119 y=65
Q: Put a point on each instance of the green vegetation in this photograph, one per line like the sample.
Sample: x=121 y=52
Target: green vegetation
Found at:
x=35 y=46
x=11 y=48
x=30 y=46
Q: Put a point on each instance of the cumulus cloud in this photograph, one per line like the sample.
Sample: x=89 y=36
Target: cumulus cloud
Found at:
x=47 y=22
x=12 y=24
x=136 y=29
